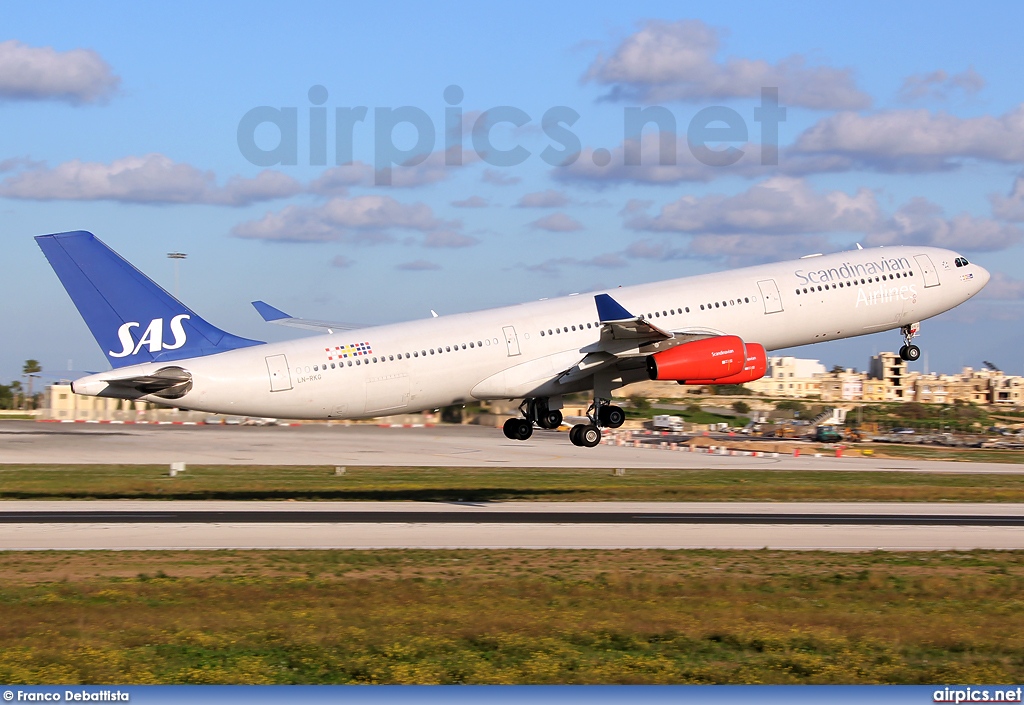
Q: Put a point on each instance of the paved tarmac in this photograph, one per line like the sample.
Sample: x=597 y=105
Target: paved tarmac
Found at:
x=123 y=525
x=452 y=446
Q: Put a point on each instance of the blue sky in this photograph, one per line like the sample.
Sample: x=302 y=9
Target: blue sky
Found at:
x=904 y=125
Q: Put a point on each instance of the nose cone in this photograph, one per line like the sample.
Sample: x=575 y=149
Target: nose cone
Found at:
x=982 y=275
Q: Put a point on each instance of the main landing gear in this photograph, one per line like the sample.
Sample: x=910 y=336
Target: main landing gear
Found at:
x=534 y=411
x=601 y=413
x=909 y=352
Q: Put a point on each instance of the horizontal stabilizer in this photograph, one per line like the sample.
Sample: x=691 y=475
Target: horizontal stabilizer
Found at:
x=270 y=314
x=167 y=383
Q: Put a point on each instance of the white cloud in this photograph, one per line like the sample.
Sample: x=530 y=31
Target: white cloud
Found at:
x=449 y=238
x=42 y=73
x=336 y=180
x=498 y=178
x=939 y=85
x=1003 y=288
x=557 y=223
x=471 y=202
x=360 y=219
x=419 y=265
x=730 y=250
x=151 y=178
x=779 y=206
x=915 y=140
x=744 y=250
x=921 y=222
x=786 y=207
x=608 y=260
x=1010 y=207
x=677 y=61
x=543 y=199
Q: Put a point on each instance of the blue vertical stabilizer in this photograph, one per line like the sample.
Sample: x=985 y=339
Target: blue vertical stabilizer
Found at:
x=132 y=318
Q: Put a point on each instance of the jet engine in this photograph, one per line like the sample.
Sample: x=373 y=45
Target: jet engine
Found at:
x=706 y=359
x=754 y=368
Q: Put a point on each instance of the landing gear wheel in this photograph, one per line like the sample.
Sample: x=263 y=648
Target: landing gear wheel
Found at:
x=910 y=352
x=510 y=428
x=574 y=434
x=611 y=416
x=517 y=429
x=551 y=419
x=588 y=435
x=523 y=429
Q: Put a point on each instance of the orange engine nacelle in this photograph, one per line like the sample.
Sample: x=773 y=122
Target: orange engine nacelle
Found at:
x=755 y=368
x=711 y=358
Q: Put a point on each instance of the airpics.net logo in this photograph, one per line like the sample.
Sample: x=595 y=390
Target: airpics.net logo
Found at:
x=977 y=695
x=270 y=136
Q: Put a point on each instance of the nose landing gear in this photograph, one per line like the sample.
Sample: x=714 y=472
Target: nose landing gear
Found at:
x=909 y=352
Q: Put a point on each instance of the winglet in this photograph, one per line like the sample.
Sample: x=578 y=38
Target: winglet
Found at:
x=268 y=312
x=608 y=309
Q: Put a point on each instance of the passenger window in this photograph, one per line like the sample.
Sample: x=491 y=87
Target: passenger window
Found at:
x=471 y=345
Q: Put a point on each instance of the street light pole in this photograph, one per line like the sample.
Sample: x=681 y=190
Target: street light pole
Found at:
x=177 y=257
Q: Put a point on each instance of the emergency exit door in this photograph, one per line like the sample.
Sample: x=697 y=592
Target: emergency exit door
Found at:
x=280 y=375
x=770 y=295
x=511 y=340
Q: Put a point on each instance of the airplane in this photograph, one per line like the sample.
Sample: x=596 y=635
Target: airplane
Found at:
x=706 y=329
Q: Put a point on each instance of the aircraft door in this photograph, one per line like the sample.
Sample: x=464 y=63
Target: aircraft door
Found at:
x=280 y=375
x=770 y=296
x=931 y=276
x=512 y=340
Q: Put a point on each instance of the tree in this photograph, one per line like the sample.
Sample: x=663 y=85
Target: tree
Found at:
x=790 y=405
x=640 y=403
x=15 y=392
x=741 y=407
x=838 y=369
x=30 y=369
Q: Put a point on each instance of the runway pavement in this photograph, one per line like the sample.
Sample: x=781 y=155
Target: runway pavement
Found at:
x=322 y=444
x=626 y=525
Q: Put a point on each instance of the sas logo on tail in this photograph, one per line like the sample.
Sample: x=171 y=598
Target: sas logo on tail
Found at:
x=153 y=336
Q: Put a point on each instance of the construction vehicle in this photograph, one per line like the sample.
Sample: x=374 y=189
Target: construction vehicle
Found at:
x=827 y=434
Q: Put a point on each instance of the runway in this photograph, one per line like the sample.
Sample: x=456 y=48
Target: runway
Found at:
x=27 y=442
x=121 y=525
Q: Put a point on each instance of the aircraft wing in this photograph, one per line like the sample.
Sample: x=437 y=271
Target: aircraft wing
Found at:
x=279 y=317
x=626 y=340
x=620 y=324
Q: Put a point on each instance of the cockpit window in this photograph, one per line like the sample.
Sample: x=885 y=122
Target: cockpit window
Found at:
x=961 y=262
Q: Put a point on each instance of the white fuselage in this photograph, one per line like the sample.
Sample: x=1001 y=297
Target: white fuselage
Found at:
x=509 y=353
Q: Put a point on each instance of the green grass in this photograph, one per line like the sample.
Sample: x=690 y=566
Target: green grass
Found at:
x=496 y=484
x=511 y=617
